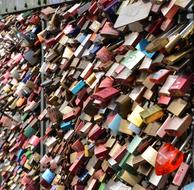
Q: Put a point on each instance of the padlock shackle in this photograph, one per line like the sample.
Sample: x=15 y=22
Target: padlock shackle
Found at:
x=189 y=158
x=174 y=140
x=186 y=141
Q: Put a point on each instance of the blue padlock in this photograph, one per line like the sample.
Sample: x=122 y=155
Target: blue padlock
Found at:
x=19 y=154
x=115 y=124
x=142 y=45
x=94 y=48
x=26 y=78
x=134 y=128
x=189 y=186
x=81 y=38
x=74 y=32
x=66 y=125
x=48 y=176
x=78 y=87
x=111 y=10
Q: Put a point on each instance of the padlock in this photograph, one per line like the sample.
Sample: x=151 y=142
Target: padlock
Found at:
x=169 y=158
x=182 y=171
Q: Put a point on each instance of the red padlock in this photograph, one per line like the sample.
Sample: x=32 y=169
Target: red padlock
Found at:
x=169 y=158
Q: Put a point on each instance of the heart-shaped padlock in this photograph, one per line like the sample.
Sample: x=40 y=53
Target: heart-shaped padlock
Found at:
x=169 y=158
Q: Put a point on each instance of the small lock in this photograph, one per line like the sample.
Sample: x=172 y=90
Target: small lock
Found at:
x=150 y=154
x=152 y=114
